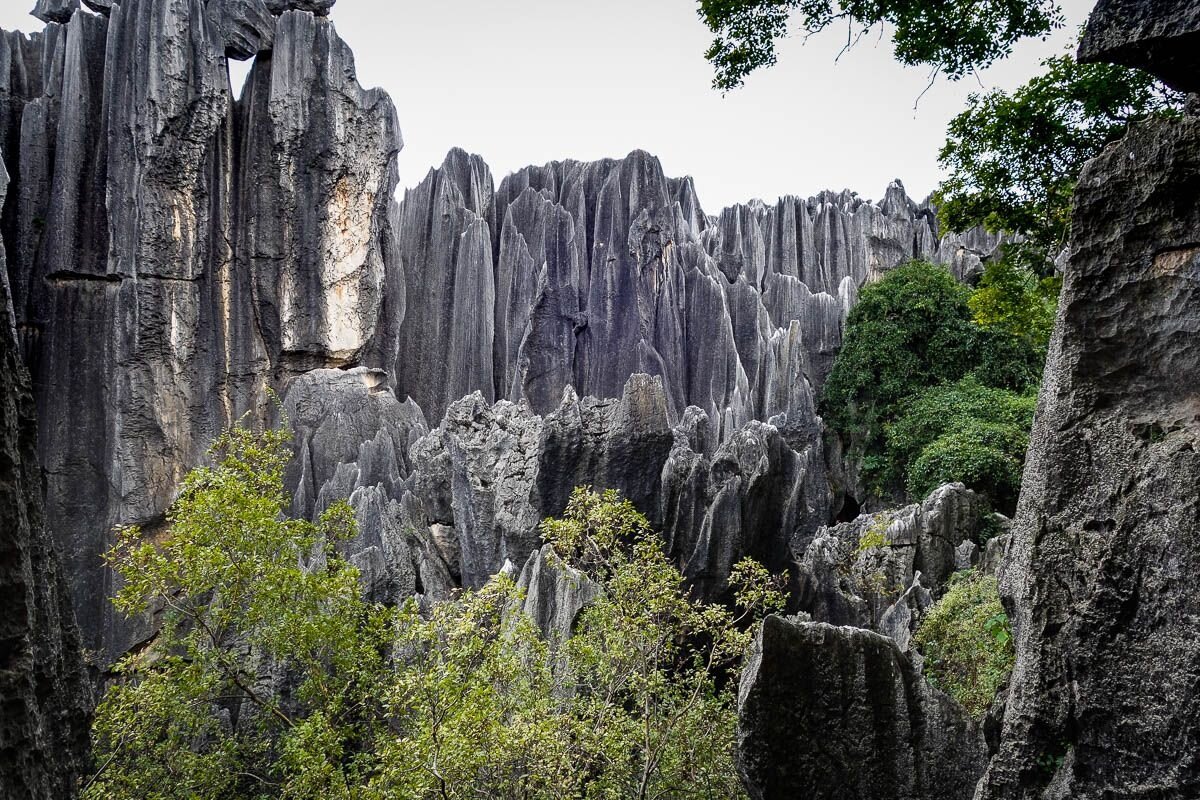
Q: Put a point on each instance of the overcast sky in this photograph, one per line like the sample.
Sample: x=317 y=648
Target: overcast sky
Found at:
x=528 y=81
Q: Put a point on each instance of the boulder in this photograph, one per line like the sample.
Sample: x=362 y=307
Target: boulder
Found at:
x=829 y=713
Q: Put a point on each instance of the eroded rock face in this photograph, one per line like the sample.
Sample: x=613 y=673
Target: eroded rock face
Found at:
x=841 y=713
x=879 y=570
x=1105 y=546
x=44 y=725
x=1160 y=36
x=174 y=253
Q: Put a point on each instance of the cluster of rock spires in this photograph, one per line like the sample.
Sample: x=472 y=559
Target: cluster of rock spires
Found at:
x=456 y=363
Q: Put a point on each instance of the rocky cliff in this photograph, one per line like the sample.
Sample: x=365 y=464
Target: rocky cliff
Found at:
x=43 y=724
x=455 y=362
x=1105 y=697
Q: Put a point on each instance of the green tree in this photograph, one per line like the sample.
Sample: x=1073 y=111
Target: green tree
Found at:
x=1014 y=299
x=272 y=677
x=954 y=38
x=1013 y=158
x=962 y=432
x=246 y=596
x=966 y=639
x=911 y=330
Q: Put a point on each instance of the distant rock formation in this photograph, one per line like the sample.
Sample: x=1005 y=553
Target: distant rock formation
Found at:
x=1105 y=697
x=454 y=363
x=46 y=701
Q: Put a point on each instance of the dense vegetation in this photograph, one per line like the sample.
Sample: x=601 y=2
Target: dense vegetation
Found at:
x=272 y=677
x=954 y=38
x=925 y=394
x=967 y=642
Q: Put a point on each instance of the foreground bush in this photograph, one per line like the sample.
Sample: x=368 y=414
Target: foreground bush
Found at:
x=271 y=677
x=967 y=642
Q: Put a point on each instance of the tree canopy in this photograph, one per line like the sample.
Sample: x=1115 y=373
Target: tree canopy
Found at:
x=1013 y=159
x=911 y=333
x=953 y=38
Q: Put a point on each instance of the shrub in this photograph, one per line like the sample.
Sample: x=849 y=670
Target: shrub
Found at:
x=272 y=677
x=966 y=432
x=910 y=333
x=967 y=642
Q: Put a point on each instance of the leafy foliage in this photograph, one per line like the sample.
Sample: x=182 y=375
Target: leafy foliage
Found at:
x=966 y=639
x=964 y=432
x=1013 y=159
x=1013 y=299
x=272 y=677
x=911 y=330
x=955 y=38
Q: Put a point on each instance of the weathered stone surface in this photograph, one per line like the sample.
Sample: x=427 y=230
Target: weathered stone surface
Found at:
x=247 y=27
x=55 y=10
x=828 y=712
x=318 y=7
x=1159 y=36
x=316 y=191
x=44 y=725
x=1104 y=550
x=554 y=594
x=1106 y=542
x=846 y=578
x=255 y=242
x=152 y=323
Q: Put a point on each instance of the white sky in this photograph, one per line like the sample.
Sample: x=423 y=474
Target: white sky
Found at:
x=528 y=81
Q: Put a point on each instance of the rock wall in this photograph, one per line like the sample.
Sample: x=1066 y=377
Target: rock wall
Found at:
x=44 y=724
x=1105 y=697
x=829 y=713
x=455 y=362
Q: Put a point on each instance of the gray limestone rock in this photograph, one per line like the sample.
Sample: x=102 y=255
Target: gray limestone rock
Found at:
x=1105 y=546
x=318 y=7
x=151 y=324
x=1106 y=540
x=554 y=594
x=55 y=10
x=1160 y=36
x=841 y=713
x=257 y=241
x=247 y=26
x=845 y=577
x=44 y=727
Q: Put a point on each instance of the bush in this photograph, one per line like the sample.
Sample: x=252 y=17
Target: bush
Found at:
x=911 y=331
x=272 y=677
x=964 y=432
x=967 y=642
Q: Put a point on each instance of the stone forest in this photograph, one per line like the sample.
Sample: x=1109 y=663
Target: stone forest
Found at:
x=560 y=485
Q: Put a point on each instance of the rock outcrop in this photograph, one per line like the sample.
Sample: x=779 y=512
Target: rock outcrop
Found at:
x=879 y=570
x=1104 y=700
x=44 y=724
x=841 y=713
x=174 y=252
